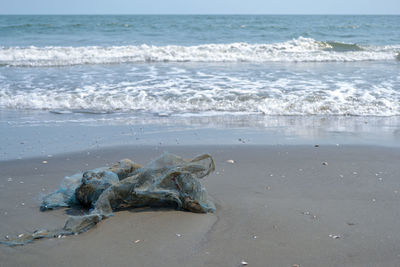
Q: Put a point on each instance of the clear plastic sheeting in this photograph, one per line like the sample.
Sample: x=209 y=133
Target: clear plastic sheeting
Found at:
x=70 y=191
x=168 y=180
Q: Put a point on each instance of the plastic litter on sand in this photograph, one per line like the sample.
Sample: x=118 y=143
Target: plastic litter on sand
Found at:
x=167 y=180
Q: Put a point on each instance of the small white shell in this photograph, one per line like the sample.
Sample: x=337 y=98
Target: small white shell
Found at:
x=230 y=161
x=334 y=236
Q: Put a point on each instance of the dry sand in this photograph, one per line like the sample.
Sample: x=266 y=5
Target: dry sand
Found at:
x=276 y=206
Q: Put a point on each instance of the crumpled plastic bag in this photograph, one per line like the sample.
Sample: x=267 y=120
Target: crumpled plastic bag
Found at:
x=168 y=180
x=97 y=180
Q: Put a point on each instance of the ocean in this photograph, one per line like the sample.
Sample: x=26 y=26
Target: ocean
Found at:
x=229 y=71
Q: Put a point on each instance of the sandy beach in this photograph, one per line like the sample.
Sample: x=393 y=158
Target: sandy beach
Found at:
x=300 y=110
x=277 y=205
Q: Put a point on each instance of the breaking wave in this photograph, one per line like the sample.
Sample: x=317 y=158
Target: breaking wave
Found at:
x=296 y=50
x=344 y=100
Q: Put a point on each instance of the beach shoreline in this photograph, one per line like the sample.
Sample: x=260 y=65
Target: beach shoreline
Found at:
x=277 y=205
x=29 y=134
x=300 y=113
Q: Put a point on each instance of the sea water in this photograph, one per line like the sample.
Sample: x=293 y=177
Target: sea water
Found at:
x=256 y=72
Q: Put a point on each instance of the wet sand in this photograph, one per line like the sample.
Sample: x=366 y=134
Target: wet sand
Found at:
x=276 y=206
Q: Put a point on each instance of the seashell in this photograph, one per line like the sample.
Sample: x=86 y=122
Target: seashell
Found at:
x=230 y=161
x=244 y=263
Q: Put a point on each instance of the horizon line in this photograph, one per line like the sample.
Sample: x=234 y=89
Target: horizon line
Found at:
x=199 y=14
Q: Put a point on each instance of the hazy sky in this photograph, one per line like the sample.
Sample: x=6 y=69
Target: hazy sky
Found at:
x=200 y=7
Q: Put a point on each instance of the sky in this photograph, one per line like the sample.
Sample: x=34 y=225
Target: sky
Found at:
x=199 y=6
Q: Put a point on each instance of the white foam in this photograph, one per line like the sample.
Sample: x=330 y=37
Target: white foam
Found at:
x=238 y=96
x=296 y=50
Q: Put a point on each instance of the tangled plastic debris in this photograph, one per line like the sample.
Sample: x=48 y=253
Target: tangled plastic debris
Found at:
x=168 y=180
